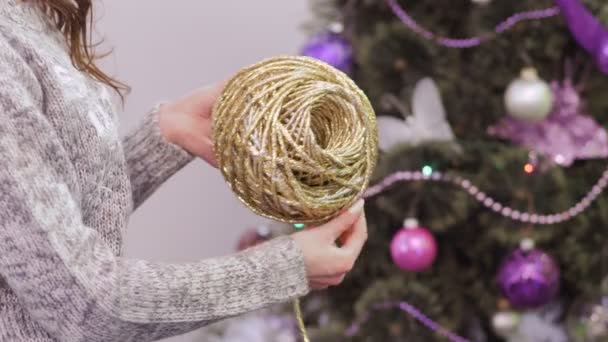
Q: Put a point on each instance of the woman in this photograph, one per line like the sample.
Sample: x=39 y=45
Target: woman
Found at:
x=69 y=183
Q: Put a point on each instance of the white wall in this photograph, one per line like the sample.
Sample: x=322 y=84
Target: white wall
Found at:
x=163 y=49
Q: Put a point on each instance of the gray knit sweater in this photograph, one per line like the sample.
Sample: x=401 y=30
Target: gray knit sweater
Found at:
x=68 y=184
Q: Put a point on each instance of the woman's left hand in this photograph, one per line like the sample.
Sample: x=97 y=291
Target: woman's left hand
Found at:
x=187 y=122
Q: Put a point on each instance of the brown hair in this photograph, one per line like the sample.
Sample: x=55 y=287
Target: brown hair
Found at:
x=74 y=18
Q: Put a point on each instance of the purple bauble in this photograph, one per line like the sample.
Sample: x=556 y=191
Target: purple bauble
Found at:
x=529 y=279
x=413 y=249
x=332 y=49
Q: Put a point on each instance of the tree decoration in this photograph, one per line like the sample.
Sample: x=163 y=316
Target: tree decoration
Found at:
x=529 y=98
x=465 y=43
x=566 y=135
x=587 y=30
x=505 y=323
x=587 y=321
x=427 y=122
x=490 y=203
x=413 y=248
x=528 y=277
x=332 y=48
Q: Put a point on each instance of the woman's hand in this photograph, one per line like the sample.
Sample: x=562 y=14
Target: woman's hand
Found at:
x=187 y=122
x=326 y=263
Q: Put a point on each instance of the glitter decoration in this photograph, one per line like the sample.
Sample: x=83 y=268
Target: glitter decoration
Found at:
x=529 y=279
x=295 y=139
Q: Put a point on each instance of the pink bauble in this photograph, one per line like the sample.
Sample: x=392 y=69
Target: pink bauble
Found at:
x=413 y=249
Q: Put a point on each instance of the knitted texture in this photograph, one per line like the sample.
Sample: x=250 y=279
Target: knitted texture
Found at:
x=69 y=184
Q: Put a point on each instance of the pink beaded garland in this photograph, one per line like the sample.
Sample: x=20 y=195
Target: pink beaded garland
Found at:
x=489 y=202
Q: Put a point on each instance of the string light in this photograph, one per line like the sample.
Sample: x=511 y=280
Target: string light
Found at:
x=427 y=170
x=299 y=226
x=529 y=168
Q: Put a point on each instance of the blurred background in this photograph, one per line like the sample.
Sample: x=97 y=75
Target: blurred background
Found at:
x=164 y=49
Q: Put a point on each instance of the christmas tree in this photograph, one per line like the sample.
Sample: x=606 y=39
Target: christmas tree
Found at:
x=488 y=221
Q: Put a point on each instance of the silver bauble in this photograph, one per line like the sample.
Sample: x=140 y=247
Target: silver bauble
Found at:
x=528 y=97
x=588 y=320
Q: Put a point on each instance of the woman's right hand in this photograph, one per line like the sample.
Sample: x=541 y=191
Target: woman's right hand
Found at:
x=326 y=263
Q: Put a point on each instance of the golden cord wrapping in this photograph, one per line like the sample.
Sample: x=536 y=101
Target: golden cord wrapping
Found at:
x=296 y=141
x=300 y=320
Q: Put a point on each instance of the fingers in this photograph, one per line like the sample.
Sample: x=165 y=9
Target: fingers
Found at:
x=199 y=102
x=342 y=223
x=331 y=280
x=353 y=240
x=195 y=136
x=207 y=98
x=321 y=283
x=351 y=248
x=205 y=151
x=326 y=264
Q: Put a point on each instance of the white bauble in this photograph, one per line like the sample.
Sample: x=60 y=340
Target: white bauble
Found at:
x=529 y=98
x=506 y=323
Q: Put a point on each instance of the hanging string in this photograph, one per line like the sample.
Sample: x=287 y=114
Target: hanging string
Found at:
x=300 y=320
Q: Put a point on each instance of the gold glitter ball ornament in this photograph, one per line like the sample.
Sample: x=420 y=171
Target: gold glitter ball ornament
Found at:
x=295 y=139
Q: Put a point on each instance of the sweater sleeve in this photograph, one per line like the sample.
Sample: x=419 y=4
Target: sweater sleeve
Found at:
x=151 y=159
x=64 y=273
